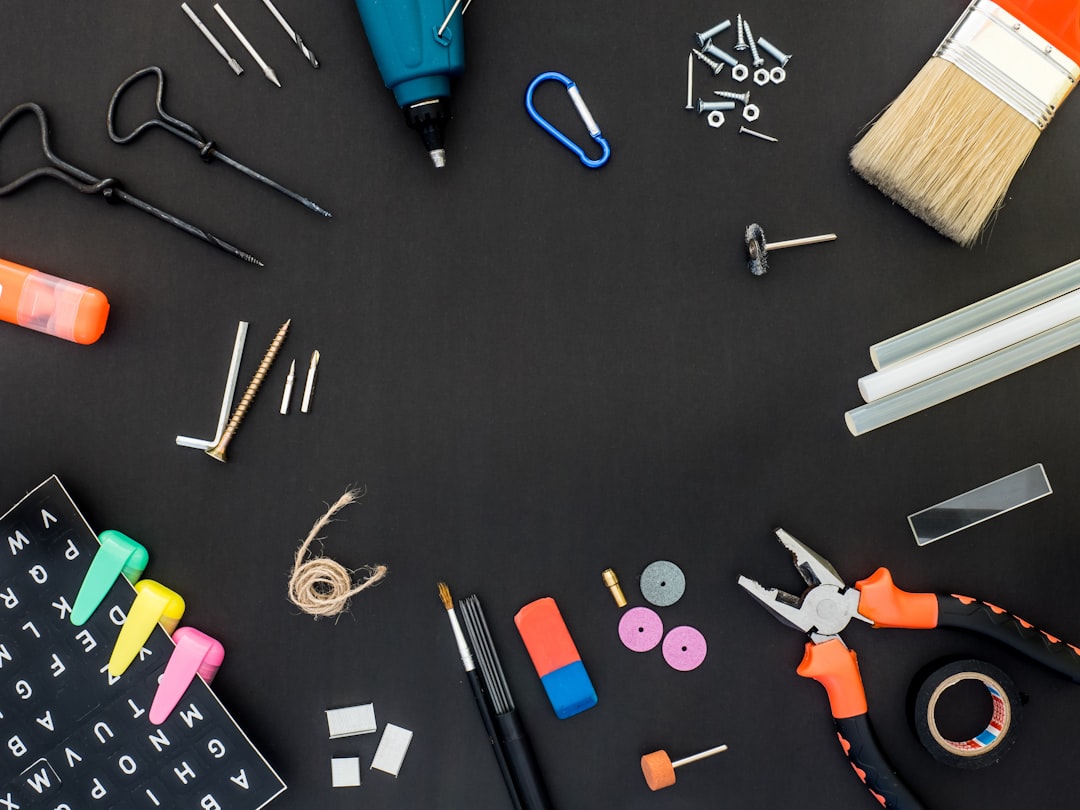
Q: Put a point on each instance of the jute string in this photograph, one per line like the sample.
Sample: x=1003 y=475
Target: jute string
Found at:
x=321 y=586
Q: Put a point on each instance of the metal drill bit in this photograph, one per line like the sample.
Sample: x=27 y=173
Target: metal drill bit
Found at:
x=218 y=450
x=266 y=69
x=310 y=385
x=304 y=49
x=287 y=394
x=212 y=39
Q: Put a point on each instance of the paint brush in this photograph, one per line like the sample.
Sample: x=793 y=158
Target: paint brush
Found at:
x=949 y=146
x=482 y=701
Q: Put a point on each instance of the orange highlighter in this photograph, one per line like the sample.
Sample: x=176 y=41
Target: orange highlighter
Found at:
x=51 y=305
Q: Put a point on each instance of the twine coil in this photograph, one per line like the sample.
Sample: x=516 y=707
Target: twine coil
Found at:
x=321 y=586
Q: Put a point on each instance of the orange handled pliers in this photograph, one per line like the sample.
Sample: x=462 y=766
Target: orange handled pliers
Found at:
x=826 y=608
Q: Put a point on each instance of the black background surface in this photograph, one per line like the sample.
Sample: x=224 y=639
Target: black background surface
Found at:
x=537 y=371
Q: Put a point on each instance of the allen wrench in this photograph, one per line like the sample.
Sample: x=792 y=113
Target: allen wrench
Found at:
x=226 y=401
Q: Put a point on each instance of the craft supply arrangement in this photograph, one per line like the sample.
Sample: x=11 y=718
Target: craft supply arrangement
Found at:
x=500 y=453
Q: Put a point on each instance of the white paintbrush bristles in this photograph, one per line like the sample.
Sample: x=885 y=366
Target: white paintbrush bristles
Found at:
x=946 y=150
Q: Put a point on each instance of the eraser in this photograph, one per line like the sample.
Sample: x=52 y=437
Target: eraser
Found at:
x=555 y=658
x=345 y=772
x=351 y=720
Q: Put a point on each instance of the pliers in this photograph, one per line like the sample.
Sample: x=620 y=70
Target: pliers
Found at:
x=828 y=605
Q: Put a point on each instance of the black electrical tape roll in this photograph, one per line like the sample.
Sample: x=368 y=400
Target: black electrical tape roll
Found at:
x=986 y=747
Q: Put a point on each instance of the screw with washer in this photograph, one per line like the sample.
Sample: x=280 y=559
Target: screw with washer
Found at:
x=773 y=51
x=723 y=56
x=756 y=134
x=741 y=45
x=715 y=66
x=705 y=36
x=759 y=60
x=743 y=97
x=708 y=106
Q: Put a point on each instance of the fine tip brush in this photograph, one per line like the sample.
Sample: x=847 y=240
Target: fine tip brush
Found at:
x=950 y=144
x=482 y=700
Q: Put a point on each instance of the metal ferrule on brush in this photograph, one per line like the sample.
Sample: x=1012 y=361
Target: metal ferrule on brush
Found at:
x=1010 y=60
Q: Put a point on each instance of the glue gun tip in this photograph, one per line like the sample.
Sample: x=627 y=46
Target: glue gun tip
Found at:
x=438 y=157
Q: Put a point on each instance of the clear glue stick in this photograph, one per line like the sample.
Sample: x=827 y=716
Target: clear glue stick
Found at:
x=51 y=305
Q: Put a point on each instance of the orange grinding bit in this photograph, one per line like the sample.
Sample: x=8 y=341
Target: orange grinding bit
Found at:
x=659 y=770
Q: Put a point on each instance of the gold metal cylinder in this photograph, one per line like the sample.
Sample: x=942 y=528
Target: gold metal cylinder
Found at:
x=612 y=583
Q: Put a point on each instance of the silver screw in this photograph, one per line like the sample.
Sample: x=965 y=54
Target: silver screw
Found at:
x=756 y=134
x=758 y=59
x=743 y=97
x=690 y=81
x=708 y=106
x=741 y=44
x=715 y=66
x=723 y=56
x=773 y=51
x=705 y=36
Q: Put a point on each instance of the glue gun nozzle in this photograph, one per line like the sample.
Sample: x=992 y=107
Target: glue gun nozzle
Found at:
x=438 y=157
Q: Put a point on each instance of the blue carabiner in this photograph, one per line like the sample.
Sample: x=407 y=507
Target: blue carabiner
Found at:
x=583 y=111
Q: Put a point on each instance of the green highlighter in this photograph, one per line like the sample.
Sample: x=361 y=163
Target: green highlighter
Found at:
x=118 y=555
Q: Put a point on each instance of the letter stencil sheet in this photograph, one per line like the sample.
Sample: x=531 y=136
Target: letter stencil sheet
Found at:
x=72 y=737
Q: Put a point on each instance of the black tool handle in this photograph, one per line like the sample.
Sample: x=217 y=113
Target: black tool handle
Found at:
x=989 y=620
x=864 y=754
x=487 y=715
x=519 y=755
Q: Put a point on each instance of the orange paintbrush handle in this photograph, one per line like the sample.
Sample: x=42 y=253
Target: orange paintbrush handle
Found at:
x=1056 y=21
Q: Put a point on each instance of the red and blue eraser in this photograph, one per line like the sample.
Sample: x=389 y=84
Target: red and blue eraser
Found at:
x=555 y=658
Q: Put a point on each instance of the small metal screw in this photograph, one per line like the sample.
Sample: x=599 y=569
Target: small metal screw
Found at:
x=741 y=45
x=756 y=134
x=708 y=106
x=723 y=56
x=773 y=51
x=715 y=66
x=758 y=59
x=705 y=36
x=743 y=97
x=690 y=81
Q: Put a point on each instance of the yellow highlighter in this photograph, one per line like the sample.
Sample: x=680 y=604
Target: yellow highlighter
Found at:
x=154 y=604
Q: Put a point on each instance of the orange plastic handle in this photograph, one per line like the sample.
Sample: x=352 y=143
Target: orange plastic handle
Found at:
x=888 y=606
x=1056 y=21
x=836 y=668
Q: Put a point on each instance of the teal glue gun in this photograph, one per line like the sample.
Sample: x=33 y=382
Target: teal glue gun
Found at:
x=418 y=46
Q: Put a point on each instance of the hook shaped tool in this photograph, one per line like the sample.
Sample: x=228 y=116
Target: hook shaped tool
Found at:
x=181 y=129
x=583 y=111
x=109 y=188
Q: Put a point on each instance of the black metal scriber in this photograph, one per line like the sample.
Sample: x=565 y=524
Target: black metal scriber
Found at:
x=109 y=188
x=181 y=129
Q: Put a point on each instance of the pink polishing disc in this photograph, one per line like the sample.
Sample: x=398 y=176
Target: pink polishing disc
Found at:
x=685 y=648
x=641 y=629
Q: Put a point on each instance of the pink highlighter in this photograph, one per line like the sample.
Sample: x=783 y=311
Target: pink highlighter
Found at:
x=196 y=654
x=51 y=305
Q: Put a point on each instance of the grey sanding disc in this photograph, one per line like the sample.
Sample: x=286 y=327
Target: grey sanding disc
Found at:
x=662 y=583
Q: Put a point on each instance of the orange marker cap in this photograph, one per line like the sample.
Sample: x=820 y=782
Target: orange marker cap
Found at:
x=55 y=306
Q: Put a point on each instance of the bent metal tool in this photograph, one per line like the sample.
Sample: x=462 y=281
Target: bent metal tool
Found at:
x=827 y=607
x=186 y=132
x=109 y=188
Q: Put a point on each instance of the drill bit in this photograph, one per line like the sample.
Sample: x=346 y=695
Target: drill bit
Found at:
x=212 y=39
x=218 y=450
x=266 y=69
x=304 y=49
x=310 y=385
x=286 y=396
